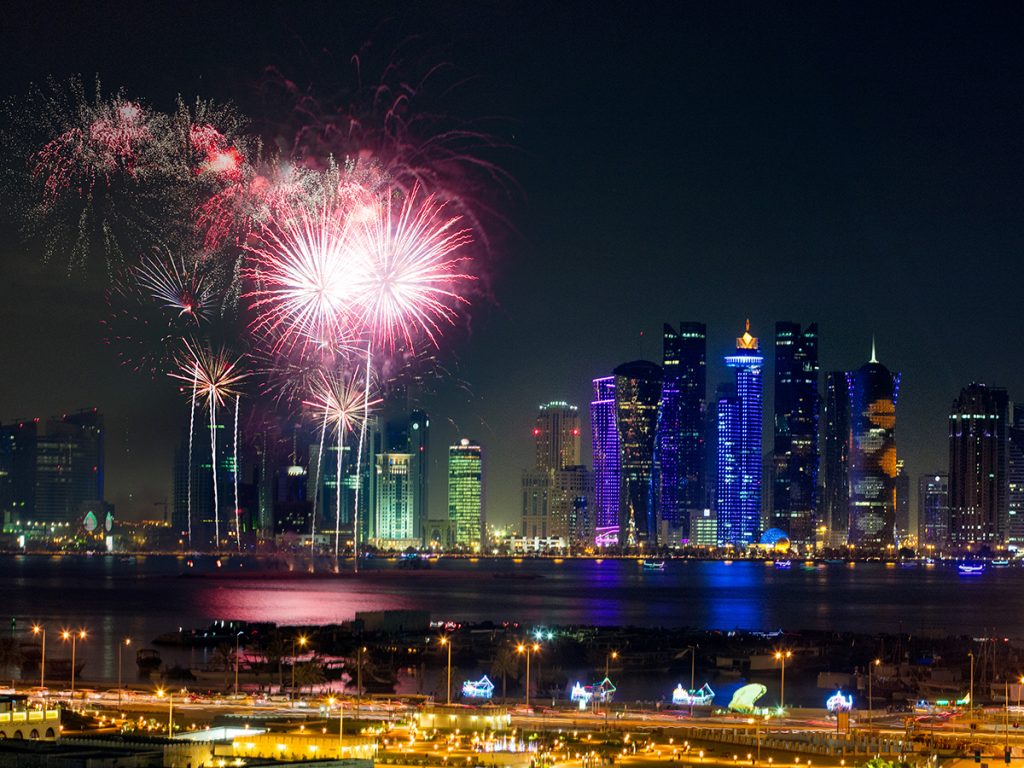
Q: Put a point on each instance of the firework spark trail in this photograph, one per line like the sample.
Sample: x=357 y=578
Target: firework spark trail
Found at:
x=182 y=288
x=213 y=471
x=216 y=377
x=191 y=432
x=319 y=465
x=337 y=500
x=234 y=444
x=359 y=457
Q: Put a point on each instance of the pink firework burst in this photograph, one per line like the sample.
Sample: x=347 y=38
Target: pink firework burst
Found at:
x=304 y=272
x=412 y=262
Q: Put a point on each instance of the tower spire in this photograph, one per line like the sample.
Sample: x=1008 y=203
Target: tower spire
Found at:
x=874 y=357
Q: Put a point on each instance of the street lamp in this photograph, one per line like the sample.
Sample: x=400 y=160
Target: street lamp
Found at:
x=529 y=650
x=447 y=642
x=120 y=646
x=782 y=656
x=66 y=635
x=607 y=659
x=970 y=695
x=341 y=721
x=160 y=693
x=38 y=629
x=874 y=663
x=302 y=640
x=237 y=636
x=1020 y=684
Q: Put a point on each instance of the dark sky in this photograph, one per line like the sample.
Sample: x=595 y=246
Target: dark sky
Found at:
x=859 y=166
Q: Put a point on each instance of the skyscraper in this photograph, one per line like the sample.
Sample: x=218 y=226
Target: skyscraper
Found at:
x=681 y=441
x=872 y=391
x=419 y=447
x=202 y=515
x=52 y=471
x=977 y=466
x=933 y=509
x=738 y=494
x=465 y=493
x=605 y=443
x=1015 y=477
x=902 y=503
x=557 y=490
x=837 y=458
x=637 y=398
x=795 y=476
x=395 y=523
x=556 y=435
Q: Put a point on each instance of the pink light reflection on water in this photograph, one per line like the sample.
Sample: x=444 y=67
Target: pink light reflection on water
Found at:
x=295 y=602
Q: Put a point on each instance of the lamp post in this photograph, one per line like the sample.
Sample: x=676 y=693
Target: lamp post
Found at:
x=782 y=656
x=970 y=695
x=160 y=693
x=302 y=640
x=237 y=636
x=529 y=650
x=607 y=659
x=874 y=663
x=120 y=647
x=447 y=642
x=73 y=637
x=1020 y=684
x=341 y=721
x=38 y=629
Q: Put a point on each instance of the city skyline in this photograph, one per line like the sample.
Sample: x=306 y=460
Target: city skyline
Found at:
x=816 y=217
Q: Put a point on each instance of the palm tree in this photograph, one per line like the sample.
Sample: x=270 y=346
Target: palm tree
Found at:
x=10 y=653
x=224 y=659
x=505 y=663
x=275 y=651
x=310 y=674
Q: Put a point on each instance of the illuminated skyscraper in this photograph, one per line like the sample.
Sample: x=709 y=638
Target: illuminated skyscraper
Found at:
x=872 y=392
x=795 y=475
x=557 y=491
x=933 y=509
x=681 y=425
x=637 y=398
x=837 y=458
x=902 y=503
x=556 y=434
x=605 y=442
x=419 y=447
x=977 y=466
x=1015 y=477
x=465 y=493
x=738 y=495
x=395 y=524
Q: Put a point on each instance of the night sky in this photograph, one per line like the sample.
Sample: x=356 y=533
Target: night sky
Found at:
x=858 y=166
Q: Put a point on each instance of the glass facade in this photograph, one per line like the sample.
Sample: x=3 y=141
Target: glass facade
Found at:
x=637 y=401
x=465 y=493
x=977 y=466
x=395 y=519
x=681 y=425
x=933 y=510
x=1015 y=478
x=605 y=442
x=872 y=391
x=795 y=455
x=738 y=486
x=836 y=474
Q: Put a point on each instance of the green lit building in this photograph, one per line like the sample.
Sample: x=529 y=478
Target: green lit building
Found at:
x=465 y=493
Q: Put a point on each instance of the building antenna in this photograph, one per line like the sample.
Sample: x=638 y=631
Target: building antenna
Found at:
x=874 y=357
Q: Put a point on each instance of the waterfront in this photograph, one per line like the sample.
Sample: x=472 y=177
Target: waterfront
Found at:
x=143 y=597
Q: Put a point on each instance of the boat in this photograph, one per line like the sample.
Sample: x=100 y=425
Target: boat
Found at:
x=971 y=569
x=148 y=660
x=653 y=565
x=698 y=697
x=783 y=564
x=1001 y=563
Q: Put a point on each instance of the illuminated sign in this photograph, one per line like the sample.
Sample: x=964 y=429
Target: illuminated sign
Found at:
x=697 y=698
x=839 y=703
x=478 y=689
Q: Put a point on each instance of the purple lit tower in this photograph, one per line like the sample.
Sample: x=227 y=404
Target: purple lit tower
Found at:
x=606 y=453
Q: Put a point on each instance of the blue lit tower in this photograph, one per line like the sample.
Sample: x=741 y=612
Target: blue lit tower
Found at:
x=637 y=398
x=605 y=443
x=681 y=425
x=795 y=459
x=738 y=488
x=872 y=390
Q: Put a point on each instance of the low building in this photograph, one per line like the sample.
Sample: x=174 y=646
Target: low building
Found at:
x=464 y=719
x=19 y=720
